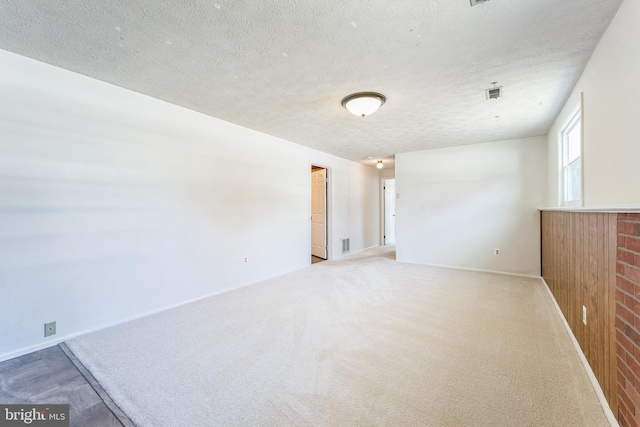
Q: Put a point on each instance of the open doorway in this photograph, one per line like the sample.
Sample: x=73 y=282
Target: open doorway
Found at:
x=389 y=209
x=319 y=217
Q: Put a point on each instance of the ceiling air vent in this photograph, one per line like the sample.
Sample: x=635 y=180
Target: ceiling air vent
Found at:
x=495 y=92
x=477 y=2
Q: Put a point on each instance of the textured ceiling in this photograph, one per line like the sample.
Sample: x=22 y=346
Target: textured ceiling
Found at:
x=283 y=66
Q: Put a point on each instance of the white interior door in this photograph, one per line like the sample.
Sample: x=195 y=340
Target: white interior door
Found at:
x=319 y=213
x=389 y=211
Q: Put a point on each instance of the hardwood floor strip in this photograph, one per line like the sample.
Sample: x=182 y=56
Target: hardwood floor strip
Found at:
x=49 y=377
x=115 y=409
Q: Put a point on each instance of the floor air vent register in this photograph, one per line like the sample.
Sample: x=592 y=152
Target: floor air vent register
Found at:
x=345 y=246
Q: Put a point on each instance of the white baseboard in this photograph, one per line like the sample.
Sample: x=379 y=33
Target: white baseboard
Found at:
x=63 y=338
x=355 y=252
x=480 y=270
x=592 y=377
x=31 y=349
x=367 y=248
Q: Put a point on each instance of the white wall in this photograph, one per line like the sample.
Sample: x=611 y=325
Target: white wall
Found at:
x=457 y=204
x=611 y=88
x=384 y=173
x=114 y=204
x=387 y=172
x=364 y=207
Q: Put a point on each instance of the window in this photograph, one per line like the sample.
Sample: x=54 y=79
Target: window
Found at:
x=571 y=160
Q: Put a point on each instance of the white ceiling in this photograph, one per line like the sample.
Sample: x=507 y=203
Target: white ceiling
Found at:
x=283 y=66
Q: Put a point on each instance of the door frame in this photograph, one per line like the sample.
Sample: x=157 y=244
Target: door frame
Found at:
x=382 y=179
x=327 y=207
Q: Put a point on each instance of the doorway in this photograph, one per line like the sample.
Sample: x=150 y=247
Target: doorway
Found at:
x=389 y=189
x=319 y=220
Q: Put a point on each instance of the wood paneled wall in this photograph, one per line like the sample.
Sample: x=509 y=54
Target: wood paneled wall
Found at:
x=579 y=265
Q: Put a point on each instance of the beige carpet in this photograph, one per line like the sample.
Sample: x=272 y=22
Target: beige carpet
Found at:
x=363 y=341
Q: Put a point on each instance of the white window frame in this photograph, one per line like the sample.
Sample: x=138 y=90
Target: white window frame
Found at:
x=575 y=119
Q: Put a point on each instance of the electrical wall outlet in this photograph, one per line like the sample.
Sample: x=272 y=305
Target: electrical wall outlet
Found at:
x=584 y=314
x=246 y=259
x=496 y=251
x=49 y=329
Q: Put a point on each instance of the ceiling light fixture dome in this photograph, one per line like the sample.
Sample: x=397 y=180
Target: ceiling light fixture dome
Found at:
x=363 y=103
x=379 y=165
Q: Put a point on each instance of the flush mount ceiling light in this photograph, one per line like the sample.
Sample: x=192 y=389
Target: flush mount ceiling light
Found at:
x=363 y=103
x=379 y=165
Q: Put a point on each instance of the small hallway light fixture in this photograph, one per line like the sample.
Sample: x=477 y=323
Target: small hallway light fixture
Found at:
x=363 y=103
x=379 y=165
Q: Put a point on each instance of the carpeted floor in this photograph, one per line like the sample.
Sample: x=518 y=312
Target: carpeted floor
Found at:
x=361 y=341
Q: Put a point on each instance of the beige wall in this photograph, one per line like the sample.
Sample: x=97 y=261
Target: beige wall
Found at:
x=114 y=205
x=455 y=205
x=611 y=89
